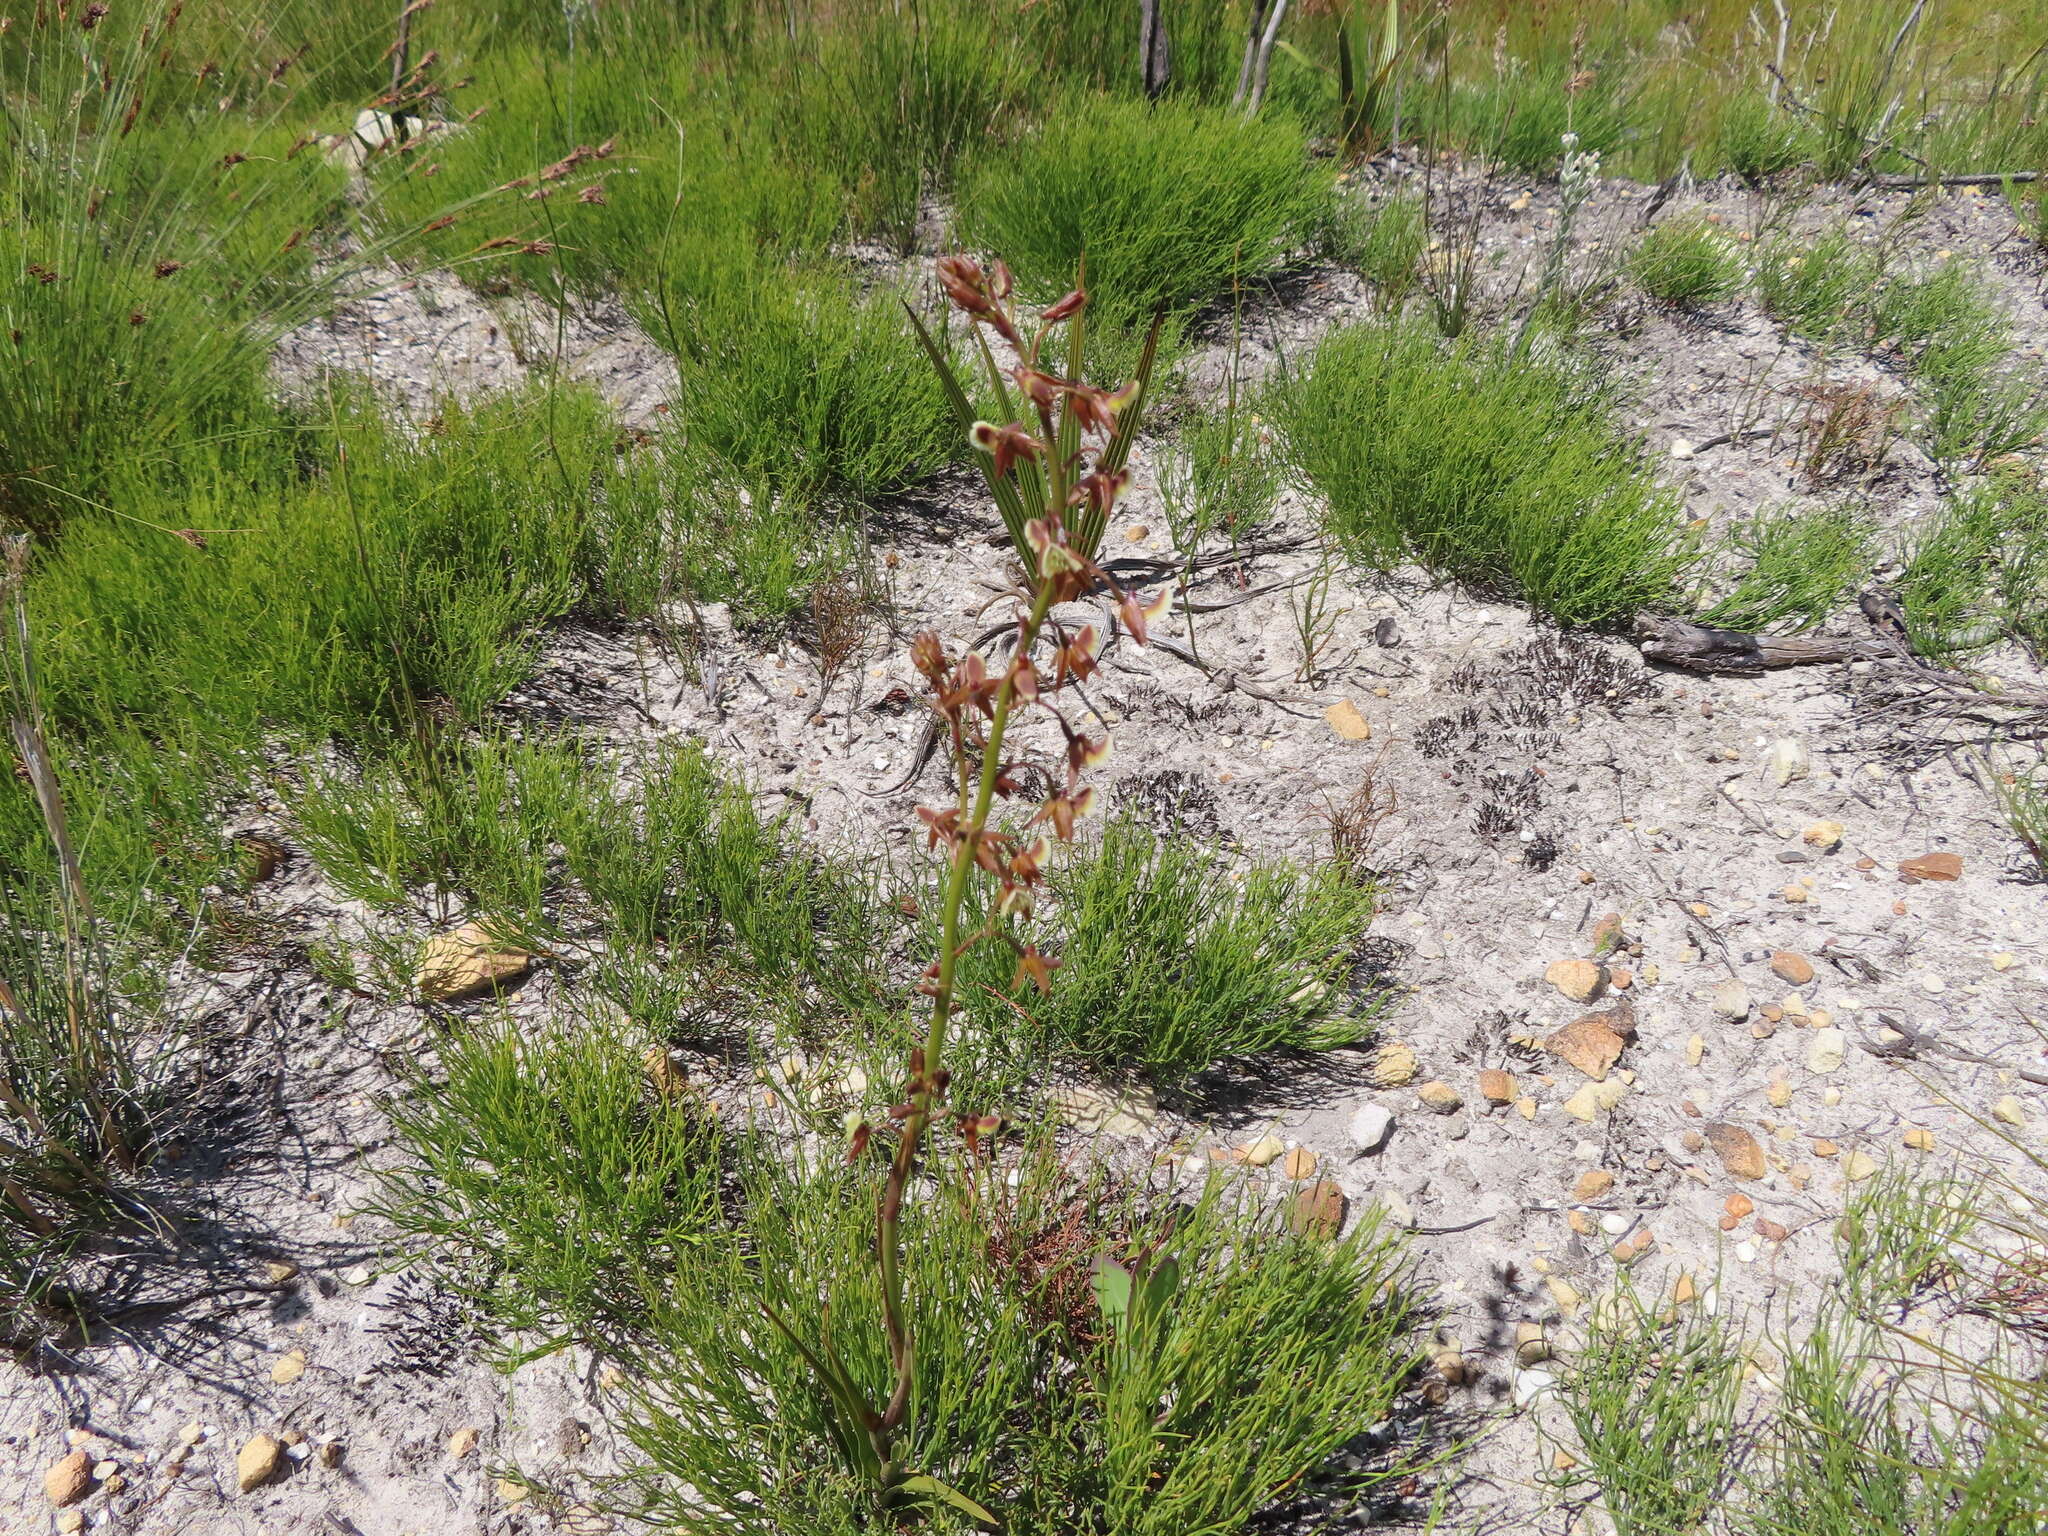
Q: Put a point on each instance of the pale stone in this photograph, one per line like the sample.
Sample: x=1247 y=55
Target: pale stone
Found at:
x=289 y=1368
x=69 y=1480
x=1824 y=835
x=1731 y=1000
x=1579 y=980
x=1264 y=1152
x=1370 y=1127
x=1440 y=1098
x=462 y=1442
x=1584 y=1104
x=1739 y=1151
x=1825 y=1050
x=1789 y=761
x=1394 y=1066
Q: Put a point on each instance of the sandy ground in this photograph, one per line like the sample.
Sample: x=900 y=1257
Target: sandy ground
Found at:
x=1538 y=786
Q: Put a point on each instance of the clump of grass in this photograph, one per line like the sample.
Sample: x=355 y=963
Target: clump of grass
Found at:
x=557 y=1177
x=1174 y=960
x=1112 y=178
x=1687 y=262
x=896 y=101
x=672 y=859
x=1233 y=469
x=797 y=386
x=1758 y=141
x=1872 y=1427
x=1512 y=476
x=1653 y=1403
x=1519 y=117
x=442 y=556
x=1799 y=568
x=1264 y=1353
x=143 y=276
x=1815 y=287
x=1383 y=243
x=1979 y=573
x=1954 y=341
x=1941 y=328
x=2025 y=799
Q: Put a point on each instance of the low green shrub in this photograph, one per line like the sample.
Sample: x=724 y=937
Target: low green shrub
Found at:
x=1384 y=243
x=1956 y=342
x=1508 y=474
x=1871 y=1428
x=1173 y=959
x=891 y=101
x=440 y=559
x=1687 y=262
x=1979 y=573
x=1815 y=286
x=142 y=282
x=1798 y=568
x=797 y=386
x=677 y=856
x=1520 y=118
x=1270 y=1351
x=670 y=862
x=1170 y=202
x=550 y=1178
x=1757 y=140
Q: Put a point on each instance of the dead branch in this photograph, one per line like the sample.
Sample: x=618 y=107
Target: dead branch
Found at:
x=1973 y=179
x=1911 y=1044
x=1265 y=58
x=1702 y=648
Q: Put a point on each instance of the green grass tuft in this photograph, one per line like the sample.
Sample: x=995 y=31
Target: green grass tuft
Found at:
x=1174 y=959
x=1273 y=1352
x=1384 y=243
x=1979 y=573
x=549 y=1176
x=1687 y=262
x=1509 y=474
x=1800 y=567
x=1118 y=180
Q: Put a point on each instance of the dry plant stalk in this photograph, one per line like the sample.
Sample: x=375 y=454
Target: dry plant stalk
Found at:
x=840 y=620
x=1075 y=437
x=1844 y=429
x=1354 y=822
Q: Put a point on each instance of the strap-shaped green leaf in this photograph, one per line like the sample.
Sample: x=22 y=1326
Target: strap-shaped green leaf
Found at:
x=1004 y=488
x=1112 y=1291
x=854 y=1419
x=1088 y=531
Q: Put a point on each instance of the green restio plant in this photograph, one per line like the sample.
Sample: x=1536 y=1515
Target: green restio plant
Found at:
x=1687 y=262
x=1176 y=958
x=1508 y=474
x=1169 y=203
x=1384 y=244
x=1800 y=567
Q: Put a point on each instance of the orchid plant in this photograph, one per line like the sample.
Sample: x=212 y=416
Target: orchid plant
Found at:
x=1056 y=474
